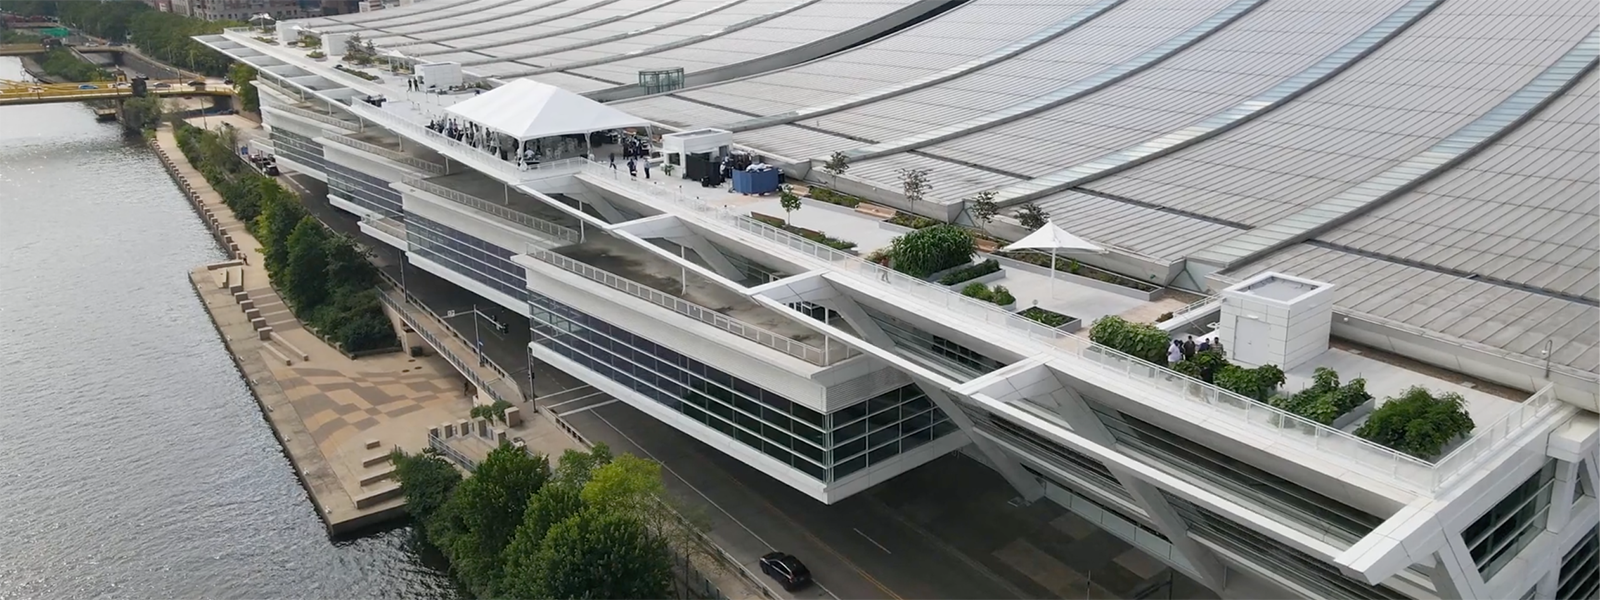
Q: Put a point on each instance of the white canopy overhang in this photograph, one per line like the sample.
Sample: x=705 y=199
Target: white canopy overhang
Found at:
x=1054 y=239
x=526 y=109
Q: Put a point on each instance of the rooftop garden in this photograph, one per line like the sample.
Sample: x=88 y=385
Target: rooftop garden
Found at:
x=997 y=295
x=1418 y=422
x=924 y=252
x=810 y=234
x=1049 y=318
x=1067 y=265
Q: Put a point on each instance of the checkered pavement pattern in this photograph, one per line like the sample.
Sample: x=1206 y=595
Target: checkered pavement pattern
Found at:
x=336 y=405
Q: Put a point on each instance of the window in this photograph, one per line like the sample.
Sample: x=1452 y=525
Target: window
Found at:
x=932 y=349
x=364 y=190
x=1048 y=450
x=480 y=260
x=1281 y=559
x=298 y=148
x=1496 y=537
x=1297 y=506
x=1580 y=570
x=824 y=446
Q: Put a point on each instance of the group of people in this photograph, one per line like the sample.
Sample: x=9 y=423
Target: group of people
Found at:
x=633 y=163
x=1186 y=349
x=507 y=148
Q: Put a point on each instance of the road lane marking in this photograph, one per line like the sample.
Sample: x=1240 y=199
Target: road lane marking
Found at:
x=590 y=407
x=874 y=542
x=578 y=399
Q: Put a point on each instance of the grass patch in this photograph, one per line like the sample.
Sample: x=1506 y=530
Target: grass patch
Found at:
x=813 y=235
x=831 y=197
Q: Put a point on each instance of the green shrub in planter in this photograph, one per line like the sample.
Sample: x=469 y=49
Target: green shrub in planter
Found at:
x=926 y=251
x=1196 y=367
x=1141 y=340
x=973 y=272
x=976 y=290
x=832 y=197
x=1326 y=400
x=1418 y=423
x=1255 y=383
x=1049 y=318
x=1002 y=296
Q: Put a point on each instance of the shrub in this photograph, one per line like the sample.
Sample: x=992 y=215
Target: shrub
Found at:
x=1032 y=216
x=426 y=480
x=1002 y=296
x=911 y=221
x=1418 y=423
x=926 y=251
x=815 y=236
x=831 y=197
x=316 y=54
x=1203 y=366
x=1256 y=383
x=973 y=272
x=1140 y=340
x=1326 y=400
x=998 y=295
x=1164 y=317
x=1048 y=317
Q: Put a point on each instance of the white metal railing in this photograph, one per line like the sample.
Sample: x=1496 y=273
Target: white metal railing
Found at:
x=316 y=116
x=1489 y=437
x=504 y=212
x=1196 y=305
x=399 y=157
x=803 y=351
x=1393 y=466
x=387 y=225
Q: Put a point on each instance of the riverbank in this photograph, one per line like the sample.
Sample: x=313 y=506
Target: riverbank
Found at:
x=336 y=418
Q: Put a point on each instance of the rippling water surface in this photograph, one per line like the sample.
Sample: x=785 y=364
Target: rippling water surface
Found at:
x=133 y=461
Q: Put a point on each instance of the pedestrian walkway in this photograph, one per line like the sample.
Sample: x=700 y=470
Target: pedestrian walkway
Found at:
x=337 y=417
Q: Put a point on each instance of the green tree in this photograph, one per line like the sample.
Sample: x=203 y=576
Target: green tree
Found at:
x=925 y=251
x=1418 y=423
x=574 y=468
x=139 y=114
x=914 y=184
x=789 y=201
x=837 y=164
x=348 y=264
x=597 y=554
x=304 y=277
x=983 y=207
x=426 y=480
x=280 y=213
x=1032 y=216
x=244 y=80
x=556 y=502
x=475 y=526
x=627 y=484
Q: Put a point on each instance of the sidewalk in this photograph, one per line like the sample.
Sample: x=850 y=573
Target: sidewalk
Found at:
x=336 y=417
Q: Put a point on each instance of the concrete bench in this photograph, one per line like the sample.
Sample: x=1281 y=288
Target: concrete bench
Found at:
x=279 y=356
x=375 y=459
x=383 y=494
x=296 y=351
x=873 y=210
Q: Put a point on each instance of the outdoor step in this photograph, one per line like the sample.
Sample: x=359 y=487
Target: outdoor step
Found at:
x=377 y=475
x=375 y=459
x=388 y=491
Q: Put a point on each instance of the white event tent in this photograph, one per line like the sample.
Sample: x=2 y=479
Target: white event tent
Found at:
x=1056 y=240
x=525 y=110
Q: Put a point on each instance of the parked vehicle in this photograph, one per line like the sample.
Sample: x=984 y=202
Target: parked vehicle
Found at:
x=787 y=570
x=122 y=85
x=162 y=85
x=87 y=86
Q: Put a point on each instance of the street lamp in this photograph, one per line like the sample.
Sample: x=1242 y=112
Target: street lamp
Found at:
x=476 y=335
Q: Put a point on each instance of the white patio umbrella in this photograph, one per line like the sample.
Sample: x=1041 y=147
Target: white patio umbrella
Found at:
x=1056 y=240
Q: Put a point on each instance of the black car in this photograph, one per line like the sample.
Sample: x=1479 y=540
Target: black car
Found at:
x=786 y=569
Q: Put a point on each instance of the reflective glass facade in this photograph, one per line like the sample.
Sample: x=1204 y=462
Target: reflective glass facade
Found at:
x=1047 y=450
x=366 y=191
x=1292 y=503
x=1281 y=559
x=1580 y=570
x=484 y=262
x=298 y=148
x=1496 y=537
x=827 y=447
x=932 y=350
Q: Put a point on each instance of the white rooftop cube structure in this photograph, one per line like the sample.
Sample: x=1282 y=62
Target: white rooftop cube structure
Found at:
x=1276 y=319
x=440 y=75
x=333 y=44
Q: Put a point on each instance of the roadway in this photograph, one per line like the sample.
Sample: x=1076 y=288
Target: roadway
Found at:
x=943 y=530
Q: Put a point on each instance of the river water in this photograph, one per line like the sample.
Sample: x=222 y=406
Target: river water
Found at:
x=133 y=461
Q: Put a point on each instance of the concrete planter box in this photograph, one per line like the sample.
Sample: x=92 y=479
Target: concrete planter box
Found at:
x=1357 y=414
x=1079 y=279
x=1072 y=325
x=983 y=279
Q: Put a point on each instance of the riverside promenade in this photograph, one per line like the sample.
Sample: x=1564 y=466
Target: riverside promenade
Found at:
x=337 y=417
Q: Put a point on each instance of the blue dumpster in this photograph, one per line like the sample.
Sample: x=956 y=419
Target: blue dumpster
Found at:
x=756 y=182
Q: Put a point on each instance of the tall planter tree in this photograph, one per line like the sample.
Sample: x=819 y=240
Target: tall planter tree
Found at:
x=305 y=272
x=926 y=251
x=983 y=208
x=837 y=164
x=914 y=184
x=1032 y=216
x=789 y=201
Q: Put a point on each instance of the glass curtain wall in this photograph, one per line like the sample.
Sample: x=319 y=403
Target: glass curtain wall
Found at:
x=484 y=262
x=298 y=148
x=1292 y=503
x=827 y=447
x=1580 y=570
x=364 y=190
x=1496 y=537
x=1282 y=559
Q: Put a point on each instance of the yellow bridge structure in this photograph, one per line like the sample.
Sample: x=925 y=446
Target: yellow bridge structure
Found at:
x=22 y=92
x=31 y=49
